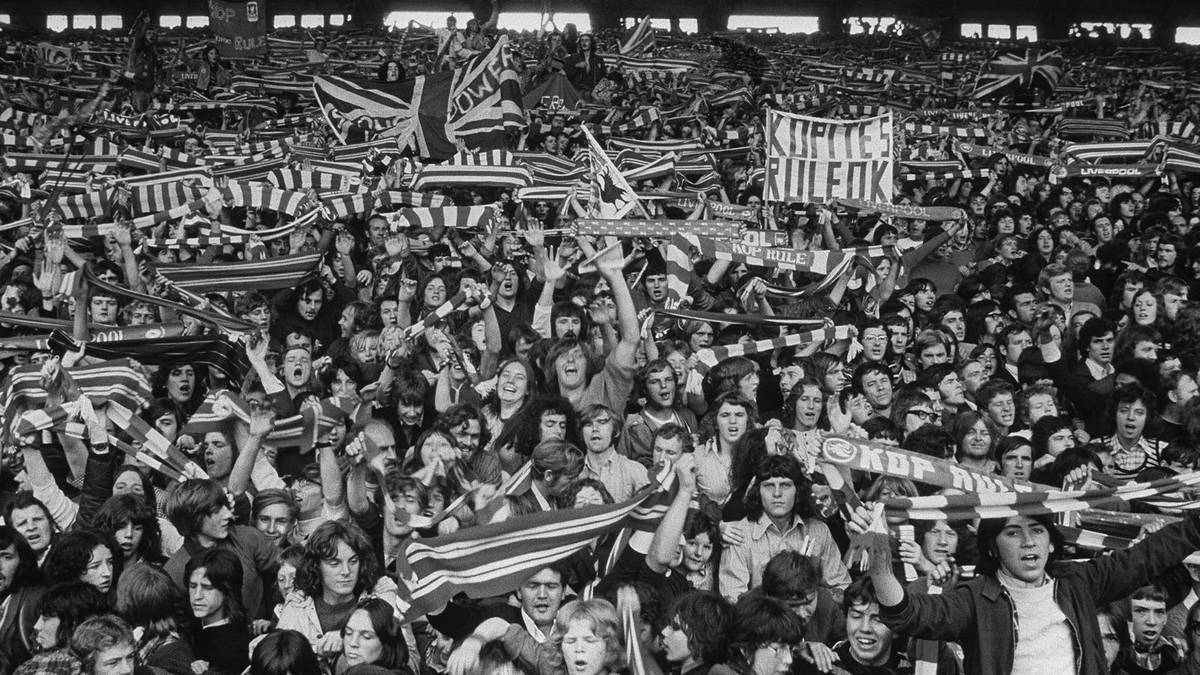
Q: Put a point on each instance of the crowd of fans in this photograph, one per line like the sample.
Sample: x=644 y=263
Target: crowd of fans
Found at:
x=1047 y=336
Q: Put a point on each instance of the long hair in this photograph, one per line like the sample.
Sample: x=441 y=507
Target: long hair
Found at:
x=780 y=466
x=322 y=545
x=120 y=510
x=388 y=629
x=148 y=598
x=224 y=572
x=759 y=620
x=27 y=573
x=68 y=559
x=605 y=623
x=285 y=652
x=71 y=604
x=705 y=618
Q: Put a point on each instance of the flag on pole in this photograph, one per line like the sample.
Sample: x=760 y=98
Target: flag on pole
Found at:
x=612 y=197
x=641 y=40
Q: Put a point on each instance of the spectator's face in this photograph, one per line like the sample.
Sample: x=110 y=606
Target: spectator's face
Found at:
x=276 y=522
x=1041 y=405
x=206 y=601
x=788 y=377
x=115 y=660
x=877 y=387
x=400 y=509
x=141 y=316
x=1147 y=620
x=553 y=427
x=1062 y=287
x=772 y=659
x=339 y=572
x=104 y=309
x=513 y=383
x=30 y=522
x=732 y=422
x=1100 y=349
x=46 y=632
x=389 y=313
x=181 y=383
x=1023 y=548
x=297 y=367
x=656 y=287
x=808 y=407
x=1185 y=390
x=128 y=538
x=1173 y=301
x=869 y=639
x=675 y=644
x=1059 y=441
x=571 y=368
x=343 y=385
x=378 y=231
x=940 y=543
x=702 y=337
x=218 y=454
x=951 y=391
x=1017 y=343
x=1001 y=410
x=778 y=497
x=1166 y=254
x=660 y=388
x=567 y=326
x=361 y=644
x=1104 y=230
x=1015 y=464
x=1146 y=350
x=1131 y=420
x=665 y=451
x=259 y=316
x=1145 y=309
x=924 y=298
x=933 y=355
x=598 y=433
x=467 y=435
x=541 y=596
x=978 y=441
x=309 y=305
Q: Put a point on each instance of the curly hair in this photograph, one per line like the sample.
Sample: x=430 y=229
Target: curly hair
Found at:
x=121 y=510
x=322 y=545
x=71 y=554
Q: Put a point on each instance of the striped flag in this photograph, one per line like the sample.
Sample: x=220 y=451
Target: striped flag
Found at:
x=491 y=560
x=301 y=430
x=656 y=147
x=641 y=40
x=159 y=197
x=1098 y=152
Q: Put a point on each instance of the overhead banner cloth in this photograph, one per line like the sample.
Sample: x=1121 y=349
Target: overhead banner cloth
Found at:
x=813 y=159
x=475 y=105
x=239 y=28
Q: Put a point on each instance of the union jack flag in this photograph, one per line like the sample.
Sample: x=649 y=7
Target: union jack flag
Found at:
x=1013 y=72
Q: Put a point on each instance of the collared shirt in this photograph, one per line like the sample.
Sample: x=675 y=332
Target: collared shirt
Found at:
x=1129 y=462
x=712 y=472
x=742 y=565
x=532 y=628
x=1097 y=371
x=621 y=475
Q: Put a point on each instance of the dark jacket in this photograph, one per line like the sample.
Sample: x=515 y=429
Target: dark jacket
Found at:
x=980 y=616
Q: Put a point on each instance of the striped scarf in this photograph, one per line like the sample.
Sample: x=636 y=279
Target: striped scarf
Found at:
x=657 y=229
x=302 y=430
x=273 y=273
x=217 y=353
x=710 y=356
x=119 y=381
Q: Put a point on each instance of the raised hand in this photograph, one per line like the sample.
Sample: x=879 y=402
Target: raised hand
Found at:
x=345 y=243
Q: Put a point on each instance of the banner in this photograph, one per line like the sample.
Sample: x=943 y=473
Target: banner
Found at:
x=239 y=28
x=863 y=455
x=475 y=106
x=812 y=159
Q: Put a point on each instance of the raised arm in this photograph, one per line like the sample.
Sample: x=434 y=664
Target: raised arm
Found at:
x=665 y=543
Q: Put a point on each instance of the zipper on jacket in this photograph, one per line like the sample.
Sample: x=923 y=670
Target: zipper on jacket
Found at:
x=1074 y=630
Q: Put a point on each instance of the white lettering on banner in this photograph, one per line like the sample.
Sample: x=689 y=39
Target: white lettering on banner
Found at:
x=811 y=159
x=819 y=180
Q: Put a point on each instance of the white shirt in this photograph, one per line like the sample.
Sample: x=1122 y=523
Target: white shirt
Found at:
x=1044 y=640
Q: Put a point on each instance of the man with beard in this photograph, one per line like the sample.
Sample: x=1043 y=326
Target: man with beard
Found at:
x=655 y=384
x=311 y=307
